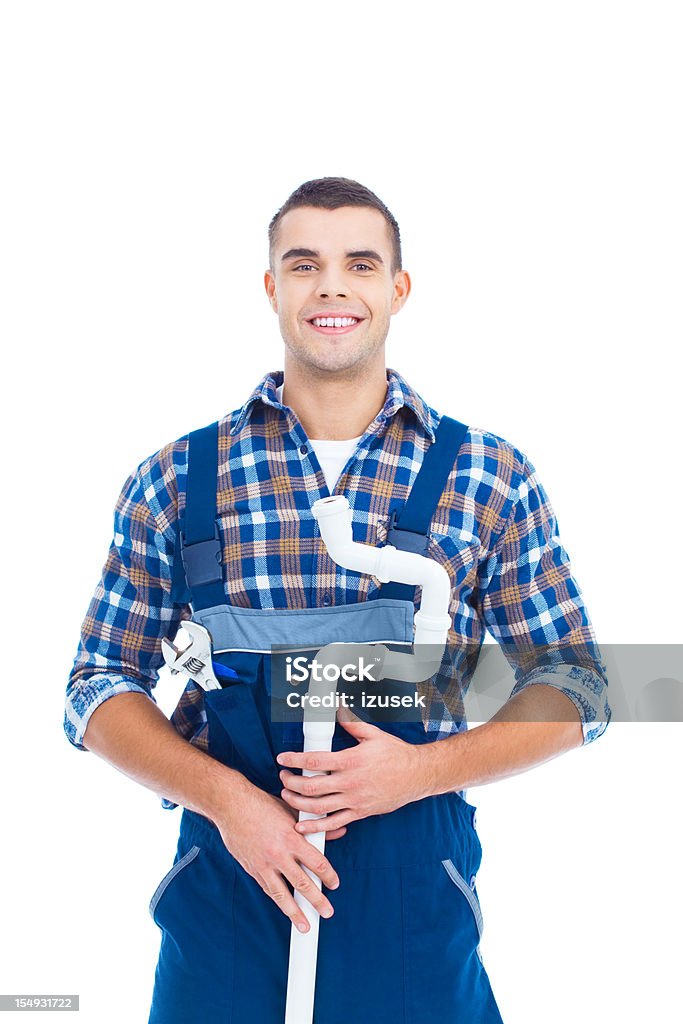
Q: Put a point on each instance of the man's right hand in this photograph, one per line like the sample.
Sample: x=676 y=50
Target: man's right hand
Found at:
x=258 y=830
x=132 y=732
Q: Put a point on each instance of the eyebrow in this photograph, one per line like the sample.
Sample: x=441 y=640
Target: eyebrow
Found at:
x=367 y=254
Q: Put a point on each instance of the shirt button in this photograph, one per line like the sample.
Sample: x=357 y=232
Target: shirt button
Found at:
x=327 y=600
x=473 y=879
x=304 y=449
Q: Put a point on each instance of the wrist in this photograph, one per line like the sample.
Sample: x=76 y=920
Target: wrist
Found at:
x=224 y=792
x=424 y=772
x=436 y=771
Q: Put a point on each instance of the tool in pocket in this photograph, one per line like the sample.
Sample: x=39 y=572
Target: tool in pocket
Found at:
x=195 y=658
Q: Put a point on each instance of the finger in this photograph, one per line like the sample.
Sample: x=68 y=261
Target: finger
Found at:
x=336 y=833
x=315 y=804
x=345 y=714
x=273 y=885
x=332 y=821
x=359 y=729
x=311 y=858
x=313 y=785
x=314 y=761
x=304 y=884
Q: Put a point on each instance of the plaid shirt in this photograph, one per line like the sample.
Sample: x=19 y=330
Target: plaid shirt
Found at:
x=494 y=531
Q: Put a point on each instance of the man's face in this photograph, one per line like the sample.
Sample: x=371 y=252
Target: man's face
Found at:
x=334 y=264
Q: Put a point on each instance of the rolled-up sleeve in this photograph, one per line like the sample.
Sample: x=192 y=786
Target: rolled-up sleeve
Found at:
x=130 y=612
x=532 y=605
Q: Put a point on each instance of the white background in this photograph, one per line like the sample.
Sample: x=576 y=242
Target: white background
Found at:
x=532 y=155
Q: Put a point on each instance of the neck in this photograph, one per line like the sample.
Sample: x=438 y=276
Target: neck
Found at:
x=334 y=408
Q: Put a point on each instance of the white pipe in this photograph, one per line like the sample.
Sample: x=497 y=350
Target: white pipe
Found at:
x=432 y=621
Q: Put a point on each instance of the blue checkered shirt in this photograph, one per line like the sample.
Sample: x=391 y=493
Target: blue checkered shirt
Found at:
x=493 y=530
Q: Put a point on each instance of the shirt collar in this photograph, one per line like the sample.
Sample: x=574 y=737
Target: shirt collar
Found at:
x=399 y=393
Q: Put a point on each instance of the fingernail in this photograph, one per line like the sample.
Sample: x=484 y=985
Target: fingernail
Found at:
x=302 y=927
x=327 y=912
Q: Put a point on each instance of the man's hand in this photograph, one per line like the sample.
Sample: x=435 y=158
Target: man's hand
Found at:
x=258 y=831
x=134 y=734
x=375 y=777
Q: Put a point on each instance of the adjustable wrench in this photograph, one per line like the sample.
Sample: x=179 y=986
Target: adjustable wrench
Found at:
x=195 y=660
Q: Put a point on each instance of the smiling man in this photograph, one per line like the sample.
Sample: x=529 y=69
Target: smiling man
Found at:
x=218 y=526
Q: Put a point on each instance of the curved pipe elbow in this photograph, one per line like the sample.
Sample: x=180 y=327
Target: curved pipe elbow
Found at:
x=334 y=519
x=387 y=563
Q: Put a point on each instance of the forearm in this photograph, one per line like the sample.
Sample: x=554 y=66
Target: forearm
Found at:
x=132 y=733
x=534 y=726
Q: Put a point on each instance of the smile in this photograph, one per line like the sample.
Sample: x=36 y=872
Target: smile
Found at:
x=334 y=324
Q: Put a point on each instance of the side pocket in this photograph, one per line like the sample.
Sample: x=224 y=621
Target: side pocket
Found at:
x=169 y=876
x=469 y=893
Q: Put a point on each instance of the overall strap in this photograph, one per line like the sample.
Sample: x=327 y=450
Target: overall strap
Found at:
x=200 y=543
x=409 y=527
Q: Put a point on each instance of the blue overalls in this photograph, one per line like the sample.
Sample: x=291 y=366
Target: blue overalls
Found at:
x=402 y=946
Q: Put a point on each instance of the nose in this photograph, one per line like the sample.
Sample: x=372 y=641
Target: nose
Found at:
x=330 y=285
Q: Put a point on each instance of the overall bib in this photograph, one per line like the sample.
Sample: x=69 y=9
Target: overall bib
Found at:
x=403 y=944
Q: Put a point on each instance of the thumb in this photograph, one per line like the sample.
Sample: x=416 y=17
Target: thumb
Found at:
x=359 y=729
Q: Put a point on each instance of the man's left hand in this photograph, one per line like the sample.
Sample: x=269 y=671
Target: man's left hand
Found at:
x=377 y=776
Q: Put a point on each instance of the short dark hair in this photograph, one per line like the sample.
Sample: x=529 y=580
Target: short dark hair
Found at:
x=331 y=194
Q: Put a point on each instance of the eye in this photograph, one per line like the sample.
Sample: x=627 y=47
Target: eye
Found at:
x=304 y=266
x=363 y=266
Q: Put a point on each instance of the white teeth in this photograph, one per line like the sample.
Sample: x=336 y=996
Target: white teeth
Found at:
x=334 y=321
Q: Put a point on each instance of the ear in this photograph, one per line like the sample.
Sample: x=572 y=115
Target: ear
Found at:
x=269 y=282
x=402 y=285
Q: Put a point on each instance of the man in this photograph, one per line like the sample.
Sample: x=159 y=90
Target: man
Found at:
x=337 y=420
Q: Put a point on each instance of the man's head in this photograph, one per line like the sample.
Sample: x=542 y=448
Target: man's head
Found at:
x=335 y=253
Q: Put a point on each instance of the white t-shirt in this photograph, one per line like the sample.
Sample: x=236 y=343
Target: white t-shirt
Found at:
x=332 y=455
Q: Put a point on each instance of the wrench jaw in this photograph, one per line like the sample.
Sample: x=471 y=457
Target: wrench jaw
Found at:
x=194 y=659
